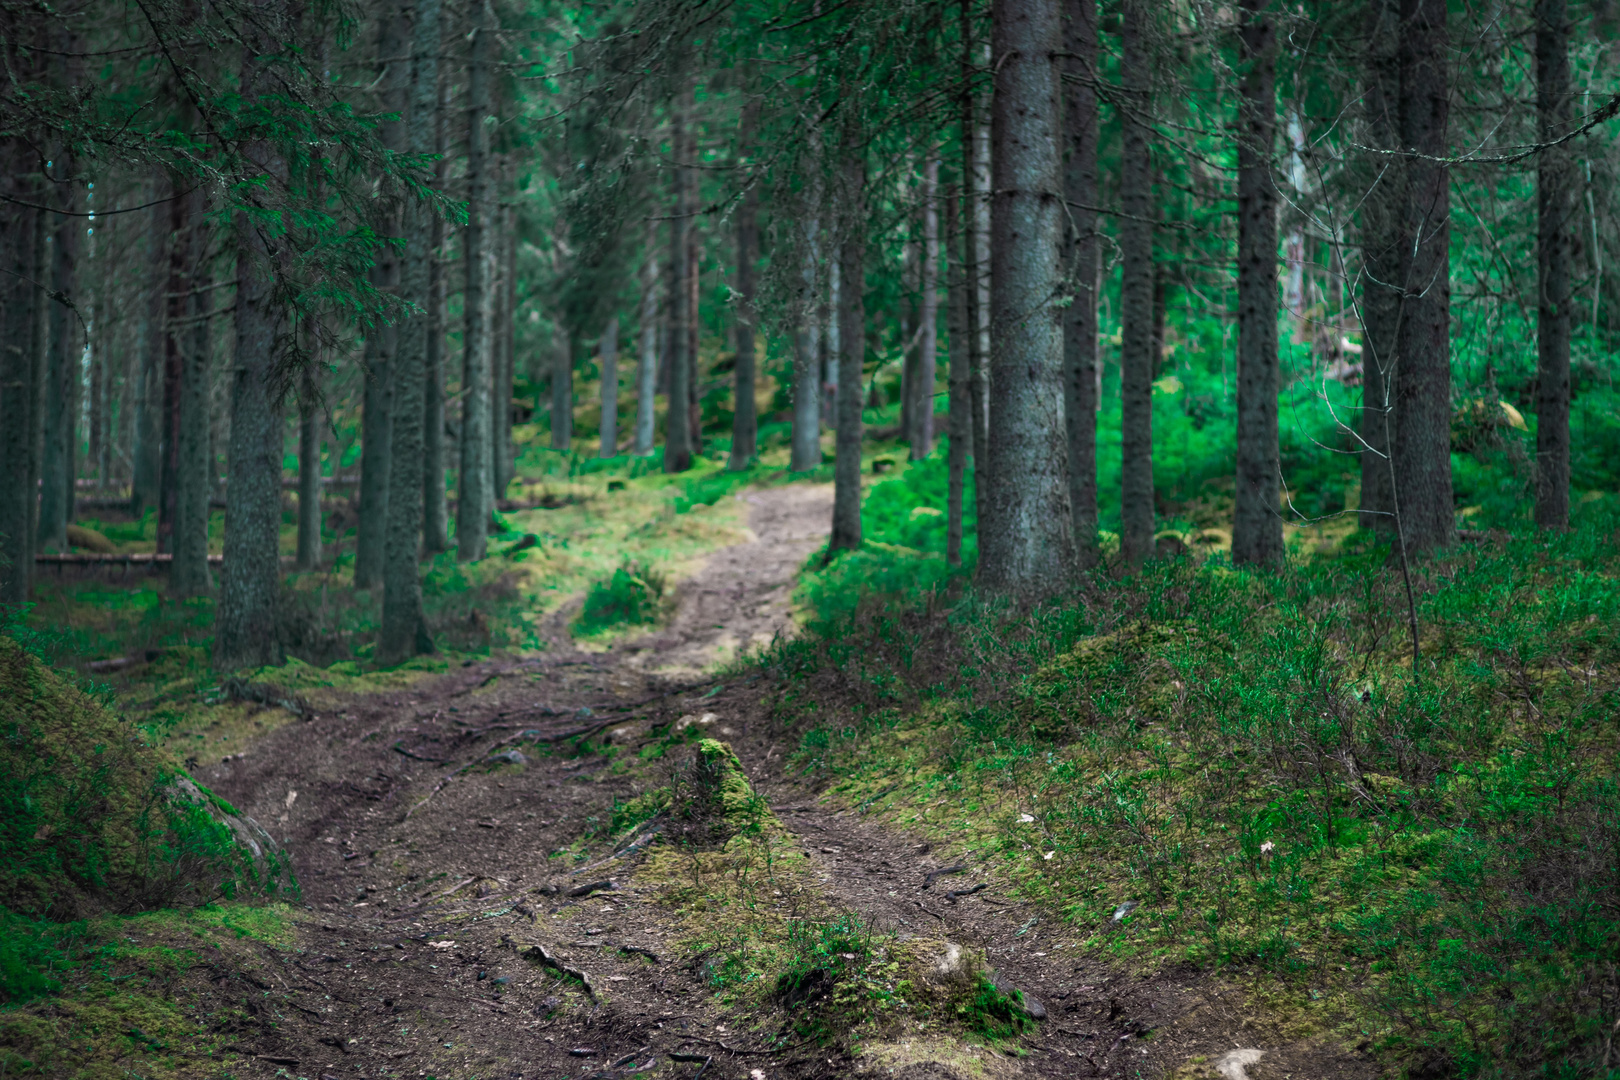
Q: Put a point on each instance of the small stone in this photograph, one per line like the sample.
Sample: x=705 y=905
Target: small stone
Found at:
x=1125 y=909
x=1234 y=1064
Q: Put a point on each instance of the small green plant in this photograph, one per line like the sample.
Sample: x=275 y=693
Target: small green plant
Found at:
x=995 y=1014
x=631 y=597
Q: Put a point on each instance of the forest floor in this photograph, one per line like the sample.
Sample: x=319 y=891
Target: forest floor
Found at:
x=431 y=868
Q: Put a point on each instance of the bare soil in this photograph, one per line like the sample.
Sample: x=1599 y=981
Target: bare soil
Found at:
x=428 y=871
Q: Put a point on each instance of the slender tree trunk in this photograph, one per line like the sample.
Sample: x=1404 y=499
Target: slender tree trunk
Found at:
x=62 y=369
x=1423 y=344
x=100 y=377
x=476 y=483
x=608 y=350
x=928 y=343
x=1080 y=380
x=959 y=420
x=694 y=375
x=982 y=375
x=677 y=418
x=562 y=395
x=404 y=626
x=846 y=524
x=1380 y=260
x=500 y=401
x=832 y=340
x=974 y=266
x=435 y=502
x=1256 y=524
x=18 y=297
x=309 y=461
x=909 y=320
x=1555 y=243
x=38 y=329
x=806 y=449
x=245 y=623
x=647 y=370
x=382 y=341
x=1027 y=546
x=745 y=419
x=188 y=573
x=147 y=427
x=1136 y=291
x=174 y=362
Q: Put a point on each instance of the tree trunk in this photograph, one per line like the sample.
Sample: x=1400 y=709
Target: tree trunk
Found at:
x=1423 y=345
x=19 y=298
x=1256 y=524
x=1136 y=291
x=745 y=421
x=959 y=420
x=36 y=350
x=146 y=442
x=500 y=399
x=1027 y=546
x=100 y=377
x=1381 y=261
x=1555 y=243
x=62 y=370
x=846 y=524
x=974 y=182
x=608 y=350
x=476 y=483
x=435 y=502
x=181 y=239
x=806 y=450
x=309 y=462
x=694 y=377
x=562 y=394
x=188 y=573
x=677 y=418
x=245 y=623
x=909 y=321
x=382 y=341
x=404 y=627
x=647 y=369
x=1080 y=381
x=928 y=341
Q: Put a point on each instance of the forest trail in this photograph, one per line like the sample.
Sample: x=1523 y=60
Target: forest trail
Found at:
x=431 y=866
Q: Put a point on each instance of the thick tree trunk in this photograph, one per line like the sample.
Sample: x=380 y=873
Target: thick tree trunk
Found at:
x=245 y=623
x=147 y=427
x=608 y=351
x=18 y=298
x=846 y=524
x=1027 y=546
x=476 y=484
x=1136 y=358
x=404 y=627
x=435 y=501
x=62 y=371
x=188 y=573
x=928 y=341
x=677 y=418
x=1555 y=243
x=806 y=449
x=1081 y=370
x=745 y=420
x=959 y=419
x=647 y=368
x=1423 y=344
x=1256 y=524
x=1380 y=261
x=382 y=341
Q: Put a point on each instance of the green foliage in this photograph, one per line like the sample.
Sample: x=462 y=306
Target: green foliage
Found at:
x=631 y=597
x=821 y=954
x=994 y=1014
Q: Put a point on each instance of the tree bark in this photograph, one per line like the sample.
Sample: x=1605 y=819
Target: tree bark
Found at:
x=959 y=420
x=806 y=448
x=382 y=340
x=975 y=178
x=62 y=370
x=1027 y=546
x=37 y=332
x=435 y=501
x=500 y=400
x=694 y=376
x=1555 y=244
x=1081 y=370
x=608 y=351
x=19 y=298
x=174 y=361
x=188 y=573
x=245 y=623
x=928 y=341
x=677 y=418
x=309 y=462
x=846 y=524
x=476 y=484
x=404 y=626
x=745 y=420
x=1423 y=344
x=647 y=369
x=1136 y=290
x=146 y=442
x=1381 y=261
x=1256 y=524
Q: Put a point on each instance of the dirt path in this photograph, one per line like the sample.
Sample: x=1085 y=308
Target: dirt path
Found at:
x=429 y=866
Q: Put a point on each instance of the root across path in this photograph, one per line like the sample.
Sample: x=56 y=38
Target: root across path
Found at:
x=470 y=915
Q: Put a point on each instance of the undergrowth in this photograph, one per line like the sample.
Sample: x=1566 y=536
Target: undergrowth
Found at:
x=1429 y=860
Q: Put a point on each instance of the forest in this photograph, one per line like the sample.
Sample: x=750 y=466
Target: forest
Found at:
x=935 y=539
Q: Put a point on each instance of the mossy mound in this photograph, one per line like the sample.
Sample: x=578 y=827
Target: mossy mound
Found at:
x=95 y=820
x=1130 y=667
x=712 y=801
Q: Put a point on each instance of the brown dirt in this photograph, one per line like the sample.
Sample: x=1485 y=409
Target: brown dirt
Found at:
x=426 y=870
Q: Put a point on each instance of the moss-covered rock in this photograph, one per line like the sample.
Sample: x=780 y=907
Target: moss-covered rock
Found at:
x=93 y=819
